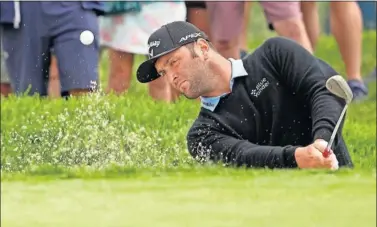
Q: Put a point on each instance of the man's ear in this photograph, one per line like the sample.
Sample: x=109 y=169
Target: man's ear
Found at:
x=204 y=47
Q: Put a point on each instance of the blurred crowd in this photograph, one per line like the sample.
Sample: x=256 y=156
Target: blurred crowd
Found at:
x=42 y=51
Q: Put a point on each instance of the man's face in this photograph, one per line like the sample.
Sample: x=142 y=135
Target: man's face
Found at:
x=185 y=70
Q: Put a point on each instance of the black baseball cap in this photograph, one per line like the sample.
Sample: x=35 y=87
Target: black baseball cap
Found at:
x=164 y=40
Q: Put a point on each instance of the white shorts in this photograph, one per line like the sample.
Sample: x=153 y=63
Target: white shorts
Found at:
x=129 y=32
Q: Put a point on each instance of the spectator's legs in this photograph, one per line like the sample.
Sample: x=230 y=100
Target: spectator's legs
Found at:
x=27 y=65
x=27 y=51
x=311 y=21
x=5 y=86
x=5 y=89
x=78 y=63
x=54 y=82
x=198 y=16
x=116 y=38
x=120 y=71
x=226 y=19
x=228 y=48
x=126 y=35
x=286 y=20
x=346 y=26
x=243 y=37
x=293 y=29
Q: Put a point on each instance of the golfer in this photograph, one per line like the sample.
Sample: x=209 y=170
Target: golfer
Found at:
x=269 y=109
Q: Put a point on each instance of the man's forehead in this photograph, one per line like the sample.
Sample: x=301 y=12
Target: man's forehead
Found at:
x=161 y=61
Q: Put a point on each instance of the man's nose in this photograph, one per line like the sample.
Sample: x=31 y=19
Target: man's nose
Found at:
x=173 y=78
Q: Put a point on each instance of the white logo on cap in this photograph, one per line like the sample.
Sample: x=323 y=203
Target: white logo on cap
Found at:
x=192 y=35
x=154 y=44
x=151 y=53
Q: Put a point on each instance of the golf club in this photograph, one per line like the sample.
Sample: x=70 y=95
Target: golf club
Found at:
x=339 y=87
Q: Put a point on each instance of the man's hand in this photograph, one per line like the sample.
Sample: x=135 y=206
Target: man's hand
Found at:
x=310 y=157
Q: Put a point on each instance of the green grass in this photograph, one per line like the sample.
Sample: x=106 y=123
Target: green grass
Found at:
x=243 y=199
x=122 y=161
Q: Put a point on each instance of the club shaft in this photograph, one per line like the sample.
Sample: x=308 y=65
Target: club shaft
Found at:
x=337 y=127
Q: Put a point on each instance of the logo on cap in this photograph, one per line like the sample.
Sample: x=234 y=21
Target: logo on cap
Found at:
x=192 y=35
x=154 y=44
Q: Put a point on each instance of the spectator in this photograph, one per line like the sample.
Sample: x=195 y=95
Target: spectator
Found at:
x=346 y=26
x=226 y=23
x=125 y=31
x=243 y=37
x=54 y=82
x=31 y=29
x=197 y=15
x=5 y=84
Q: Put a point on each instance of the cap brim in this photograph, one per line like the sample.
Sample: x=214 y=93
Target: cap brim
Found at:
x=146 y=71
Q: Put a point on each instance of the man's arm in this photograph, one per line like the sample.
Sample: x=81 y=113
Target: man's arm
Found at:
x=206 y=143
x=306 y=75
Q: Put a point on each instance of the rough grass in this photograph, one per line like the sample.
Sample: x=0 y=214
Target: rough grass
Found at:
x=134 y=150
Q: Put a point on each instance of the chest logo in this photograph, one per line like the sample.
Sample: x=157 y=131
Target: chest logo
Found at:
x=260 y=87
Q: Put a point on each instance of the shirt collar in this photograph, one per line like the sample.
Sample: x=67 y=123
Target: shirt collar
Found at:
x=238 y=70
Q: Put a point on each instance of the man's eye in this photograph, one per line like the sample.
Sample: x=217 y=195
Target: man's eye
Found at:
x=173 y=62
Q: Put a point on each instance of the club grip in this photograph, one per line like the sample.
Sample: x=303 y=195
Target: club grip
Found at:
x=327 y=152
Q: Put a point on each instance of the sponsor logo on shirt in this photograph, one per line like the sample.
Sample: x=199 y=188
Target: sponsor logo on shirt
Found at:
x=209 y=104
x=260 y=87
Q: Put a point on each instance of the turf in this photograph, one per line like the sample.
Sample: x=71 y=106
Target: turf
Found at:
x=122 y=161
x=268 y=199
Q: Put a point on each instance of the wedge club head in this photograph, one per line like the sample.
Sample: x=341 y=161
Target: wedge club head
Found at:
x=339 y=87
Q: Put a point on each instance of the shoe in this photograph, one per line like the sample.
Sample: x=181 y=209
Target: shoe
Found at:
x=359 y=90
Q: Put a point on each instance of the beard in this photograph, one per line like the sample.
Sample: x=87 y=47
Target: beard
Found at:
x=193 y=94
x=199 y=78
x=199 y=84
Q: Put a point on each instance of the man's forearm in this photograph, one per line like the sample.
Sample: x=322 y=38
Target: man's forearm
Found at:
x=251 y=155
x=216 y=147
x=326 y=108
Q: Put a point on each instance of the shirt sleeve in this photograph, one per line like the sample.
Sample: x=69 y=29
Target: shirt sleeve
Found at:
x=207 y=143
x=306 y=75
